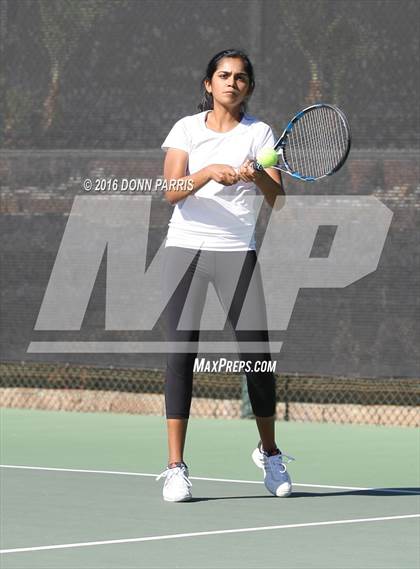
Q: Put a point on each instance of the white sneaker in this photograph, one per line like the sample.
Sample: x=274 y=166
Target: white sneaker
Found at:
x=177 y=484
x=276 y=478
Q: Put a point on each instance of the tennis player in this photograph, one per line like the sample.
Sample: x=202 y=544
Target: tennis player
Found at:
x=211 y=232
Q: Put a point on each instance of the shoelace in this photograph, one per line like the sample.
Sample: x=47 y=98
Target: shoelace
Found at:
x=178 y=470
x=277 y=461
x=281 y=455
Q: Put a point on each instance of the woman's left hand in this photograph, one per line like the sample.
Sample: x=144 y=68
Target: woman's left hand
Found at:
x=247 y=172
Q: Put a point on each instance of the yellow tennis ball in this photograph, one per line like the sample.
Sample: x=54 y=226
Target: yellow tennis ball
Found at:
x=267 y=157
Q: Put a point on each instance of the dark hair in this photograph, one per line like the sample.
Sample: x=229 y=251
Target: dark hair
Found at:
x=206 y=103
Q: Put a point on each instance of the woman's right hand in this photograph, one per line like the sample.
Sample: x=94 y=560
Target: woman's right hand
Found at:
x=223 y=174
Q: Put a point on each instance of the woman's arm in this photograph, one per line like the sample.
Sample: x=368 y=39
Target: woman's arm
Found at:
x=268 y=181
x=175 y=167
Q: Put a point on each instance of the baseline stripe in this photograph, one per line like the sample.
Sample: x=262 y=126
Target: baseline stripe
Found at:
x=203 y=533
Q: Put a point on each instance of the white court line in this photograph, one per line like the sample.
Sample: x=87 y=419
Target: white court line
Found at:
x=202 y=533
x=123 y=473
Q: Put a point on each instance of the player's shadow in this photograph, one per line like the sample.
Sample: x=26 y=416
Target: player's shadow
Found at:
x=370 y=492
x=208 y=498
x=385 y=492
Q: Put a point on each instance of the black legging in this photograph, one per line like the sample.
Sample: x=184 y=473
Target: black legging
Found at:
x=221 y=268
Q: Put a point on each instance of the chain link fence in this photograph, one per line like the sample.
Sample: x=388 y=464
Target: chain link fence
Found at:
x=389 y=401
x=35 y=218
x=104 y=83
x=114 y=74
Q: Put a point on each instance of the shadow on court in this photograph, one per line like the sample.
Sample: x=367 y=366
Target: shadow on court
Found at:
x=386 y=492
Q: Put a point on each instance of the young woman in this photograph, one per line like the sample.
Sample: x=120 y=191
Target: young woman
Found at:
x=211 y=234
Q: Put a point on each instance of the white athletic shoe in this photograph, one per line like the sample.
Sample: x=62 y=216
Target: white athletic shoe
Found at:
x=276 y=478
x=177 y=484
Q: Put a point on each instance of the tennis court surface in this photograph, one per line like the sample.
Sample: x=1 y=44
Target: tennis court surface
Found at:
x=79 y=490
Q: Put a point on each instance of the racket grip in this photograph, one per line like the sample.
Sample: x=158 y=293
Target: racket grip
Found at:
x=257 y=166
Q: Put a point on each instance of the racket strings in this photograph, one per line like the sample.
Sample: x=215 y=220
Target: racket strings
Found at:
x=317 y=143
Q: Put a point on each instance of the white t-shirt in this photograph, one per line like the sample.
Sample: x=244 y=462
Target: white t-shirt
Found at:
x=217 y=217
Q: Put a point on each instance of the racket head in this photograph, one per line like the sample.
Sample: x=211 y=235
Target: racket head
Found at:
x=315 y=143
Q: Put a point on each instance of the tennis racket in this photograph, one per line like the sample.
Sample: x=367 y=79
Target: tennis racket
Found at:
x=315 y=143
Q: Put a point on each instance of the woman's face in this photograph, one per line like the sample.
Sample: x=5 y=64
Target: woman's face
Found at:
x=230 y=82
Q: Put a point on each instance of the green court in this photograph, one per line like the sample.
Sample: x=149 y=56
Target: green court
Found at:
x=88 y=495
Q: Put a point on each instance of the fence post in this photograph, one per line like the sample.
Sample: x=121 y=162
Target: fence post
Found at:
x=286 y=398
x=246 y=409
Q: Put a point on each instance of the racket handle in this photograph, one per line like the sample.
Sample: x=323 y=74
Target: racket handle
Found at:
x=257 y=166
